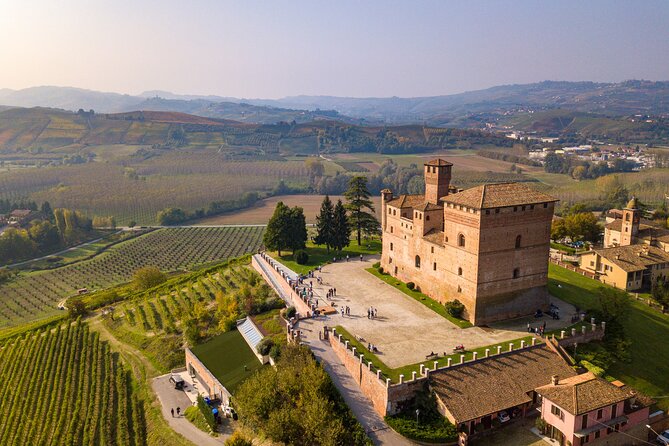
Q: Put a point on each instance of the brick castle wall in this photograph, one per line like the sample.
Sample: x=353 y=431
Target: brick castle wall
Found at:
x=212 y=385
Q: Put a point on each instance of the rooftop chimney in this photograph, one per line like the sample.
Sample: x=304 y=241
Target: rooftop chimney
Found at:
x=555 y=380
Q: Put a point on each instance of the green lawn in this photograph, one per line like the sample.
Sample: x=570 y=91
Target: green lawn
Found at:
x=420 y=297
x=225 y=356
x=647 y=329
x=564 y=248
x=318 y=255
x=394 y=374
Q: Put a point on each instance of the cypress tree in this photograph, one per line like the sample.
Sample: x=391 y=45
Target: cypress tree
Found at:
x=325 y=224
x=341 y=227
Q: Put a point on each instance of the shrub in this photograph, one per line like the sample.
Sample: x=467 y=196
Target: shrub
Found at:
x=148 y=277
x=290 y=312
x=376 y=265
x=206 y=412
x=238 y=439
x=380 y=270
x=411 y=285
x=437 y=430
x=455 y=308
x=301 y=257
x=192 y=414
x=275 y=352
x=598 y=371
x=265 y=346
x=76 y=308
x=541 y=425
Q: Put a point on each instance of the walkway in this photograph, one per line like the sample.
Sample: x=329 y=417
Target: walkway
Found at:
x=361 y=406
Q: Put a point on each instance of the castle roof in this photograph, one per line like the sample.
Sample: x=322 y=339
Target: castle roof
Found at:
x=496 y=195
x=434 y=236
x=489 y=385
x=583 y=393
x=438 y=162
x=407 y=201
x=634 y=257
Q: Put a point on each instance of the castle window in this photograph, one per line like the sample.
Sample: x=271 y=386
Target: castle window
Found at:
x=390 y=211
x=461 y=240
x=497 y=211
x=515 y=209
x=432 y=249
x=391 y=229
x=523 y=208
x=434 y=266
x=459 y=271
x=545 y=205
x=516 y=273
x=518 y=239
x=427 y=218
x=487 y=211
x=417 y=261
x=627 y=217
x=390 y=260
x=446 y=239
x=531 y=207
x=391 y=246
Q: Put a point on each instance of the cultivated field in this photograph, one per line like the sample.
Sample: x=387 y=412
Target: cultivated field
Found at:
x=262 y=211
x=64 y=386
x=34 y=295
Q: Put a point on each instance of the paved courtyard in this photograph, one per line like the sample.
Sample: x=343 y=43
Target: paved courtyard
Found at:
x=405 y=331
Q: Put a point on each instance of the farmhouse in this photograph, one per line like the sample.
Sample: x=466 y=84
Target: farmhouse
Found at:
x=585 y=409
x=634 y=254
x=486 y=246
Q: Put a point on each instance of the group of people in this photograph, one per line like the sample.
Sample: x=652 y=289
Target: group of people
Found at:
x=345 y=310
x=178 y=411
x=372 y=348
x=371 y=313
x=538 y=330
x=332 y=292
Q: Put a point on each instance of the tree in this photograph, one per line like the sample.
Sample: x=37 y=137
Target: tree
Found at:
x=297 y=229
x=76 y=308
x=44 y=234
x=325 y=224
x=341 y=227
x=577 y=226
x=276 y=235
x=148 y=277
x=171 y=216
x=660 y=291
x=46 y=210
x=358 y=196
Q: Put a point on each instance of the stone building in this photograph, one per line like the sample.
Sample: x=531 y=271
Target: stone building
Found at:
x=486 y=246
x=634 y=253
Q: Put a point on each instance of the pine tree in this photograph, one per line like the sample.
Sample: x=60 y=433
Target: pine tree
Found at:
x=296 y=229
x=325 y=224
x=341 y=227
x=358 y=198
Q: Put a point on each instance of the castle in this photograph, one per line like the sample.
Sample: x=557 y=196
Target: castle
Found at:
x=487 y=246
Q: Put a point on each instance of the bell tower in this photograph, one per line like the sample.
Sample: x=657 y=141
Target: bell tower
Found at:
x=437 y=179
x=630 y=225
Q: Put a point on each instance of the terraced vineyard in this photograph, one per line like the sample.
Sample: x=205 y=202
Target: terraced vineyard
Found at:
x=34 y=295
x=66 y=387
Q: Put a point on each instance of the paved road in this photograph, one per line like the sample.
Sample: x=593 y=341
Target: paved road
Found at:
x=170 y=398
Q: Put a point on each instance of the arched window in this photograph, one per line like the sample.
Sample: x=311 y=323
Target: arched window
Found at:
x=417 y=261
x=461 y=240
x=516 y=273
x=459 y=271
x=627 y=217
x=518 y=239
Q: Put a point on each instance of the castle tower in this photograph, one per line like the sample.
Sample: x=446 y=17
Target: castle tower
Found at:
x=630 y=225
x=437 y=179
x=386 y=195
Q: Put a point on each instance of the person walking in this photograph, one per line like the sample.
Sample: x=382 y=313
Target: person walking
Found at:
x=178 y=411
x=361 y=257
x=172 y=410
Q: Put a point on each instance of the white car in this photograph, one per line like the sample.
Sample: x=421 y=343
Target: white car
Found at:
x=503 y=416
x=663 y=438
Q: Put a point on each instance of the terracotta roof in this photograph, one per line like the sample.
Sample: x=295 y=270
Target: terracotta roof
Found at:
x=634 y=257
x=496 y=195
x=20 y=212
x=427 y=206
x=434 y=236
x=496 y=383
x=583 y=393
x=407 y=201
x=615 y=225
x=438 y=162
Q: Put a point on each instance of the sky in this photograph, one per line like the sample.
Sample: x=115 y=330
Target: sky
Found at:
x=365 y=48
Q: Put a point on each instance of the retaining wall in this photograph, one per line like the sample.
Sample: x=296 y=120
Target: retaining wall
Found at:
x=210 y=383
x=279 y=284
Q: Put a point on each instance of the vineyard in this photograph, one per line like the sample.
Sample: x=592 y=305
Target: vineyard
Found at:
x=153 y=322
x=34 y=295
x=65 y=386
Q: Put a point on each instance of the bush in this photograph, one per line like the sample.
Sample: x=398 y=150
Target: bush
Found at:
x=455 y=308
x=76 y=308
x=376 y=265
x=275 y=352
x=301 y=257
x=238 y=439
x=411 y=285
x=380 y=270
x=265 y=346
x=598 y=371
x=148 y=277
x=437 y=430
x=290 y=312
x=206 y=412
x=192 y=414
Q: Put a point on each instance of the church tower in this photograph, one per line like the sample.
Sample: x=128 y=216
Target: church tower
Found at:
x=630 y=225
x=437 y=180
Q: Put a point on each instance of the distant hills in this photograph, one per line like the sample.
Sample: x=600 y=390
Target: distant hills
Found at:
x=469 y=109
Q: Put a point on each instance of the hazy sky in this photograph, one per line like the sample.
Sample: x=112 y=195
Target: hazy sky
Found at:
x=278 y=48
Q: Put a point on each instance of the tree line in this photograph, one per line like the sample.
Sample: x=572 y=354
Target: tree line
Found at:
x=175 y=216
x=582 y=169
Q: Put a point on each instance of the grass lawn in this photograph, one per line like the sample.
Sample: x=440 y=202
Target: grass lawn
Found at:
x=420 y=297
x=394 y=374
x=225 y=356
x=647 y=329
x=318 y=255
x=564 y=248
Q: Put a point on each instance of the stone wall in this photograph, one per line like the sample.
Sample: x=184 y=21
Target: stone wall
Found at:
x=284 y=290
x=210 y=383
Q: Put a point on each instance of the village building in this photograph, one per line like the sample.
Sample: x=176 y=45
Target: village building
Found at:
x=487 y=246
x=472 y=396
x=585 y=409
x=634 y=254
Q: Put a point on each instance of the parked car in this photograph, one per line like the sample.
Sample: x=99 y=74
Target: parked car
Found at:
x=178 y=382
x=503 y=416
x=663 y=438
